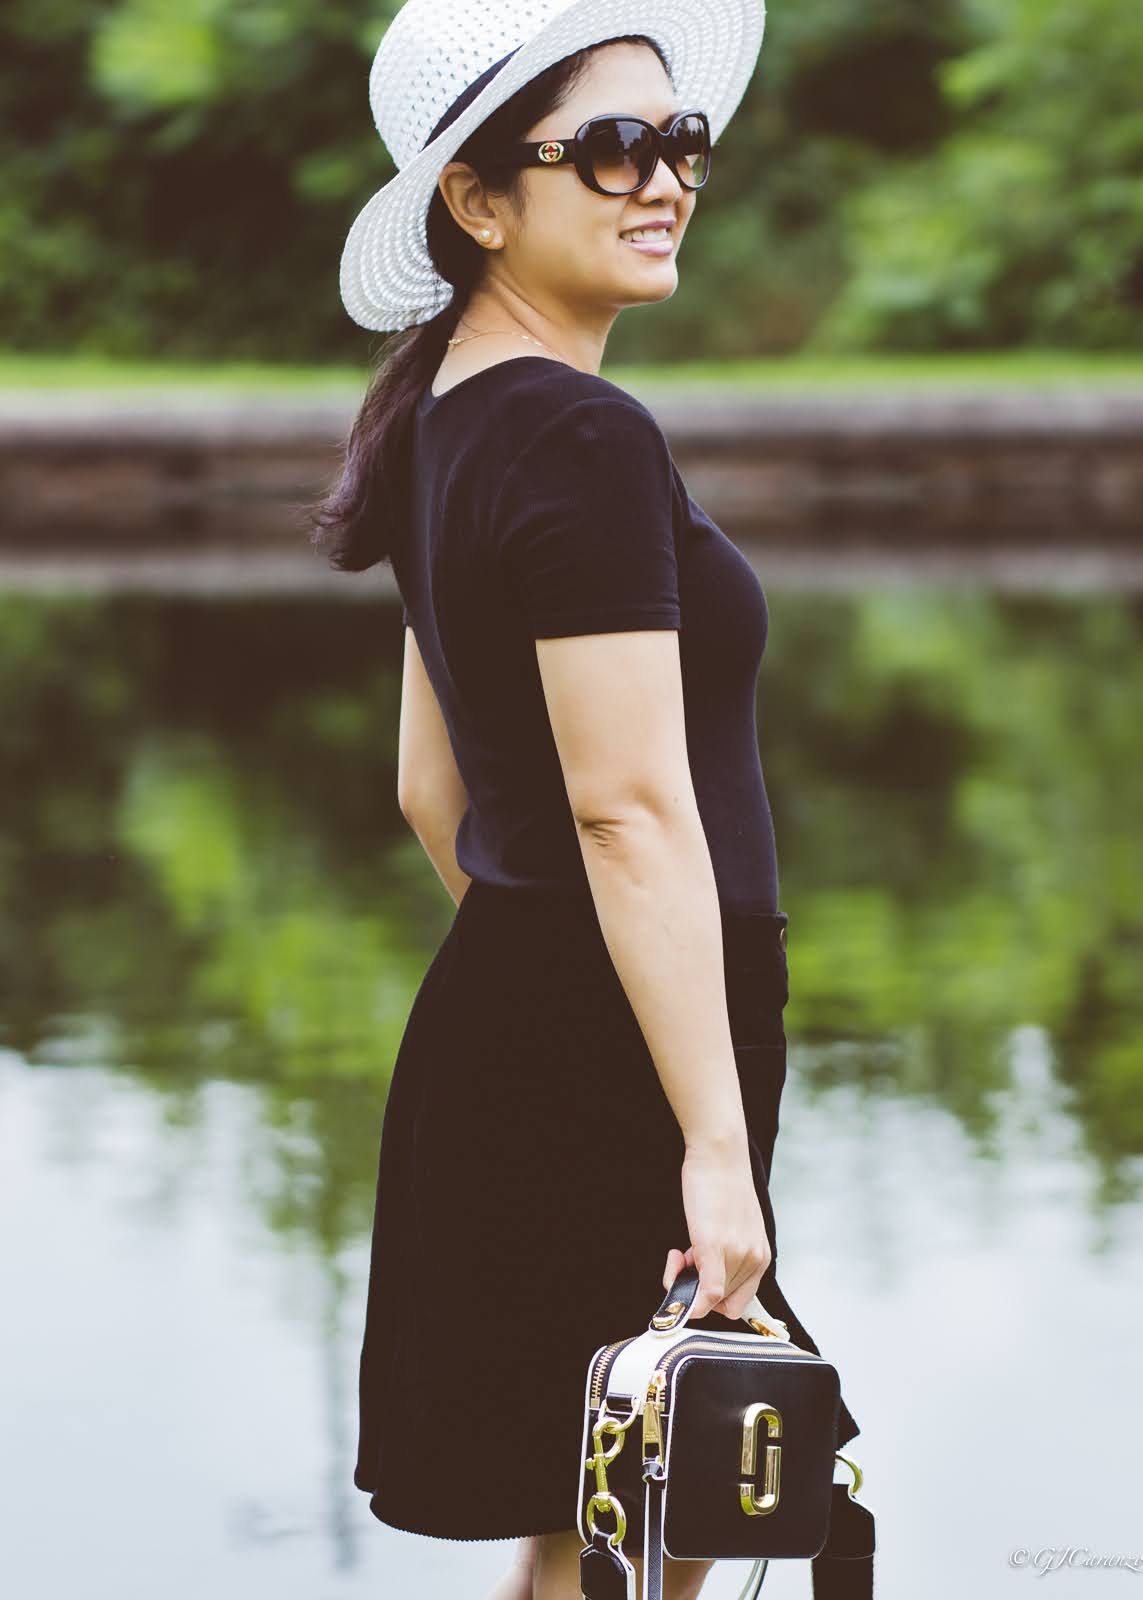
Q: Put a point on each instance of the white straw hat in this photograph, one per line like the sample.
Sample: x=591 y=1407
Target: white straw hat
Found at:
x=454 y=62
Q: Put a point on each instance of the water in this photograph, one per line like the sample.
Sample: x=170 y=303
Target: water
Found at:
x=213 y=923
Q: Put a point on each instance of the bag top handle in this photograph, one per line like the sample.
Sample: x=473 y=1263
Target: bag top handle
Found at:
x=679 y=1300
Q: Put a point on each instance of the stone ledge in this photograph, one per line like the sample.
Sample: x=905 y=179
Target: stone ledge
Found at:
x=167 y=466
x=788 y=566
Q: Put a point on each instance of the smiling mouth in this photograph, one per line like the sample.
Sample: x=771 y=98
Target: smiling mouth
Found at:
x=656 y=235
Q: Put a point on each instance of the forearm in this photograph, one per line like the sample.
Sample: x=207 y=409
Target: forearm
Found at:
x=656 y=899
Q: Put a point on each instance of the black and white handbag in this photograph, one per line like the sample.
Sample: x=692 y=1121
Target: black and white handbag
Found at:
x=709 y=1445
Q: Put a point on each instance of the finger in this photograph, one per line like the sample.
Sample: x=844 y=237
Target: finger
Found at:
x=712 y=1281
x=742 y=1292
x=734 y=1305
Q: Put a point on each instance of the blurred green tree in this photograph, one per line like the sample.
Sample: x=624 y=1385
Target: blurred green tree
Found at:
x=178 y=180
x=1026 y=225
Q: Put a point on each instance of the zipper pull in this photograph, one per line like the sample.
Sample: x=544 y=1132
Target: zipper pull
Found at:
x=652 y=1415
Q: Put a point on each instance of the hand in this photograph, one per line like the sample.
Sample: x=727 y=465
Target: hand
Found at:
x=728 y=1233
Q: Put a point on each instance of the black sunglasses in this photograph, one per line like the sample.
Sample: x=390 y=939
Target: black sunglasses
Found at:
x=619 y=154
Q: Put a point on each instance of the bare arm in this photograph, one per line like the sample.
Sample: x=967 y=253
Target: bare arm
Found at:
x=430 y=790
x=616 y=707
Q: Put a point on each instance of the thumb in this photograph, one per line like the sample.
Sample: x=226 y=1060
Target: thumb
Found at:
x=676 y=1261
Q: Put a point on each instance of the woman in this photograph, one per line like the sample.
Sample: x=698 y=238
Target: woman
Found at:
x=586 y=1094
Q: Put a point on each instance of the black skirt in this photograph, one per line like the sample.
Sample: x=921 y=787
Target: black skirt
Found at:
x=528 y=1193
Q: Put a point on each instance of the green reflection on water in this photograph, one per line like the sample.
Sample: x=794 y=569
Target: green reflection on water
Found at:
x=957 y=794
x=205 y=873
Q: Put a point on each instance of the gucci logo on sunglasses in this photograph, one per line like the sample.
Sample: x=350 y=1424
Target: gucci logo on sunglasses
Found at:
x=619 y=154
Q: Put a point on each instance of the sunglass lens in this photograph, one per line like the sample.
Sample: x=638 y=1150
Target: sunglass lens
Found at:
x=691 y=142
x=622 y=154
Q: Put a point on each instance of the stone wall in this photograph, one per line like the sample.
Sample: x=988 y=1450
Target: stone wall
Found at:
x=139 y=476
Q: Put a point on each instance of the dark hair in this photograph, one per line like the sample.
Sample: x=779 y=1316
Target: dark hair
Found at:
x=354 y=521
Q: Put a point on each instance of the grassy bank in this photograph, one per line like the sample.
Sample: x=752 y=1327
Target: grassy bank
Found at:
x=1016 y=368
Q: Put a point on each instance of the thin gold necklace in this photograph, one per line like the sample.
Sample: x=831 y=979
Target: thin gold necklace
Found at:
x=452 y=343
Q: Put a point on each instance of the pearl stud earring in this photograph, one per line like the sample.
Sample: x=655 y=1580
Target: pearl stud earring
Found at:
x=486 y=233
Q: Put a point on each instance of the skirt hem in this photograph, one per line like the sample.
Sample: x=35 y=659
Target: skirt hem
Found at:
x=410 y=1524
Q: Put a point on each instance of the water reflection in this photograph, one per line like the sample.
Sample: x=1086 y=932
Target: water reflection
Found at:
x=213 y=923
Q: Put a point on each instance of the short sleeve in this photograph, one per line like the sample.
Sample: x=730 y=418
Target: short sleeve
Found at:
x=406 y=619
x=584 y=523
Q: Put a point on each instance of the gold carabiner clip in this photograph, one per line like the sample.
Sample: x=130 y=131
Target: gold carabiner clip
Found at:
x=603 y=1499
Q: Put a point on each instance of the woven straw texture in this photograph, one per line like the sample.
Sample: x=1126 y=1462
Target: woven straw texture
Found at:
x=434 y=49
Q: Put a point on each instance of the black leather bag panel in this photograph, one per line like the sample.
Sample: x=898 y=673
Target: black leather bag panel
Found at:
x=703 y=1513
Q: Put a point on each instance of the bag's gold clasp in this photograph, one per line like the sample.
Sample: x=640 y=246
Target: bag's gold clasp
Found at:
x=753 y=1503
x=771 y=1328
x=858 y=1475
x=603 y=1499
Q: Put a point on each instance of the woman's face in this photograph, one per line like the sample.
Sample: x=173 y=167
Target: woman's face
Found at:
x=569 y=244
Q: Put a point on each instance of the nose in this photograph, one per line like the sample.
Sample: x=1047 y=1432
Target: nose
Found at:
x=655 y=183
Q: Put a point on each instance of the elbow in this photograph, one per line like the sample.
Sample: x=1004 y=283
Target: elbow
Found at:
x=414 y=790
x=612 y=838
x=407 y=802
x=617 y=822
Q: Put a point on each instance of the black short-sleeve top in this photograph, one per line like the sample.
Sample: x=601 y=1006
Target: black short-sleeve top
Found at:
x=546 y=502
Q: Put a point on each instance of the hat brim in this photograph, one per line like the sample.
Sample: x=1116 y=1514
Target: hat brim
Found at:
x=387 y=278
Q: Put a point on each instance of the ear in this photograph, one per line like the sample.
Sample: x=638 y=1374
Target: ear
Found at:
x=465 y=196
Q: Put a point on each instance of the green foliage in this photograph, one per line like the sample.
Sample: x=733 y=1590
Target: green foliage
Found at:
x=142 y=55
x=1027 y=225
x=179 y=178
x=183 y=185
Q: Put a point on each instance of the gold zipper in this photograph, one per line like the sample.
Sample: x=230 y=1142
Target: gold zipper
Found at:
x=735 y=1346
x=656 y=1387
x=595 y=1394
